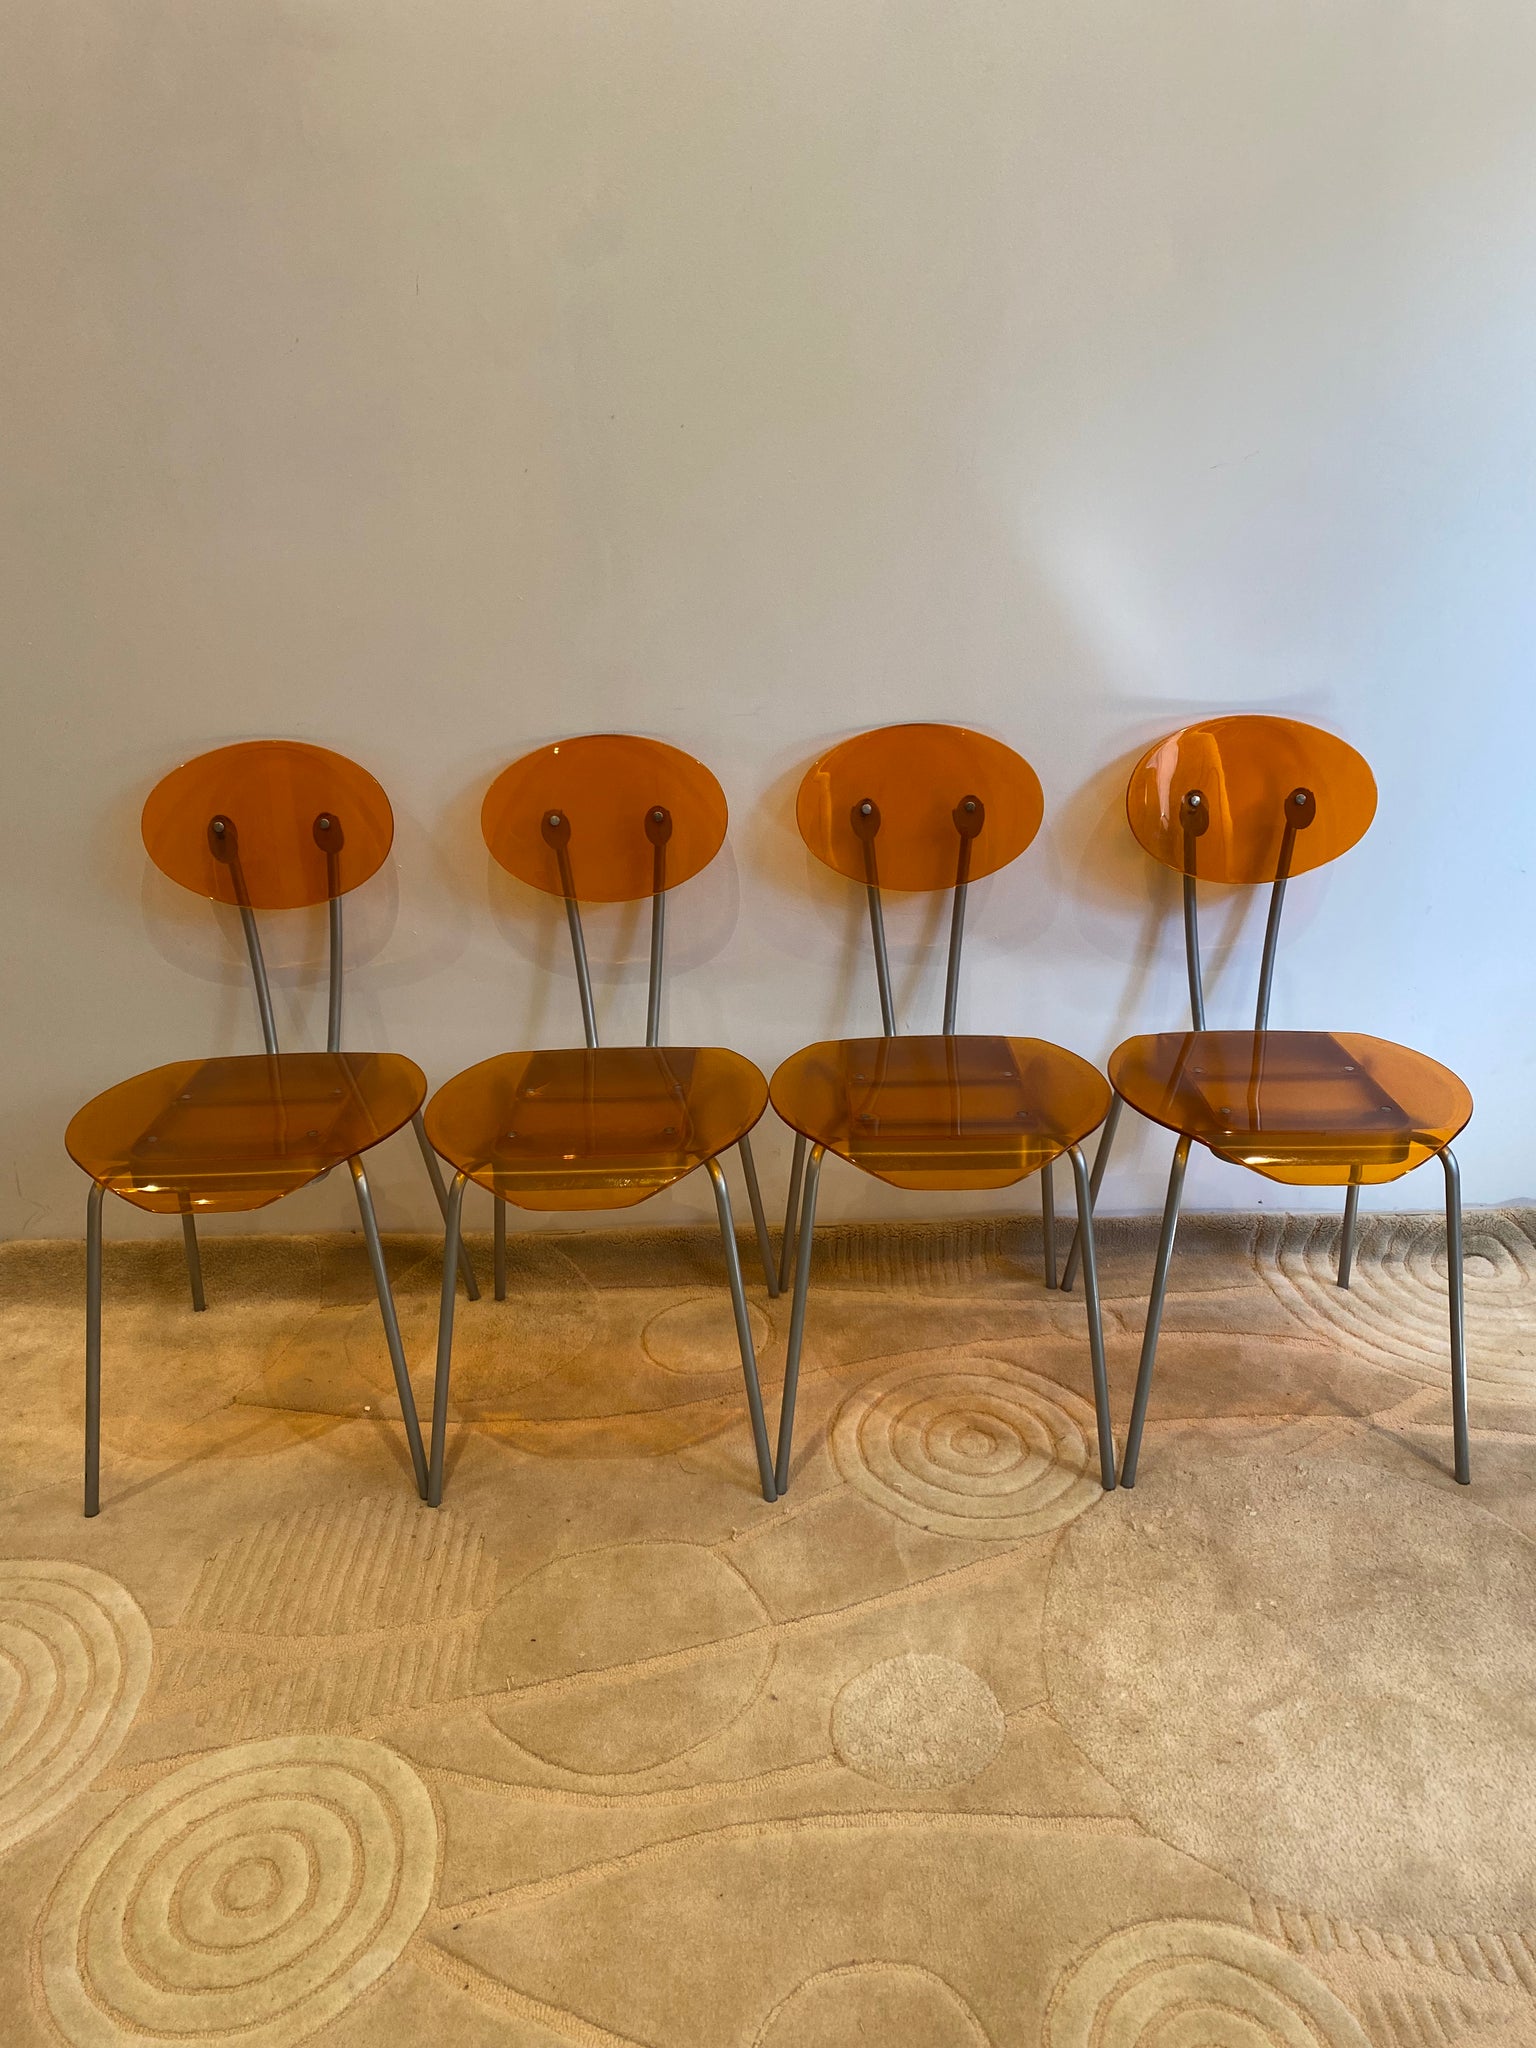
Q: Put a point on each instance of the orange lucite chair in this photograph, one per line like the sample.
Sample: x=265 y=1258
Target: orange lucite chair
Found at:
x=1255 y=799
x=924 y=808
x=262 y=825
x=606 y=818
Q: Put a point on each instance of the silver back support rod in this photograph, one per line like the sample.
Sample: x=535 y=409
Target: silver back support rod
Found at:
x=658 y=829
x=865 y=819
x=969 y=815
x=1300 y=810
x=224 y=843
x=556 y=827
x=330 y=838
x=1195 y=816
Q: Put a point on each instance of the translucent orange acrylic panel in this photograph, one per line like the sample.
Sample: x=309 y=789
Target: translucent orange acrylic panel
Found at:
x=1246 y=768
x=917 y=776
x=1311 y=1108
x=238 y=1133
x=941 y=1112
x=593 y=1129
x=605 y=787
x=304 y=823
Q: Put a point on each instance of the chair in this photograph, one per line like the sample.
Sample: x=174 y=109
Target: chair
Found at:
x=1255 y=799
x=612 y=819
x=263 y=825
x=923 y=808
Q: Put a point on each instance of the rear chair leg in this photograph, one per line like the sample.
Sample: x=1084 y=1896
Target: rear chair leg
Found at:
x=1048 y=1223
x=1456 y=1278
x=391 y=1324
x=499 y=1246
x=1347 y=1237
x=743 y=1329
x=759 y=1218
x=791 y=1207
x=1155 y=1312
x=1095 y=1321
x=445 y=1338
x=1100 y=1162
x=808 y=1189
x=93 y=1349
x=194 y=1260
x=435 y=1171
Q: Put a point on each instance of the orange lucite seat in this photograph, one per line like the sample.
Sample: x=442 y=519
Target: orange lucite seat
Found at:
x=1308 y=1108
x=942 y=1113
x=237 y=1133
x=594 y=1128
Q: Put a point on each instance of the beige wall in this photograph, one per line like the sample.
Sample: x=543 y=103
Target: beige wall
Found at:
x=434 y=379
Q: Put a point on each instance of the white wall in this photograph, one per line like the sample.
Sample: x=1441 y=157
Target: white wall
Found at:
x=433 y=380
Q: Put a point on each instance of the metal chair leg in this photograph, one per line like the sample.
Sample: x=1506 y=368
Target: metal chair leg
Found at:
x=1048 y=1223
x=445 y=1338
x=435 y=1172
x=1155 y=1312
x=791 y=1208
x=1100 y=1161
x=1095 y=1320
x=194 y=1261
x=499 y=1246
x=1347 y=1238
x=759 y=1218
x=391 y=1324
x=743 y=1329
x=809 y=1186
x=93 y=1349
x=1456 y=1278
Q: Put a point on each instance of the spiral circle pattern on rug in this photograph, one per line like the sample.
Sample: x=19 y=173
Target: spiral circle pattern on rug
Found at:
x=969 y=1446
x=1194 y=1984
x=1397 y=1306
x=75 y=1657
x=254 y=1893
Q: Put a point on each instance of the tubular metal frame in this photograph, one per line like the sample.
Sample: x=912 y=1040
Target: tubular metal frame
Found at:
x=556 y=830
x=1456 y=1301
x=224 y=842
x=452 y=1239
x=810 y=1184
x=93 y=1232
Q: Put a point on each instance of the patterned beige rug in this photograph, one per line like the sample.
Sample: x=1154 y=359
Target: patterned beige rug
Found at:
x=946 y=1749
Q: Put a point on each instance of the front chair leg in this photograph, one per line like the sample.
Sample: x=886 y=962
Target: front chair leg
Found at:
x=1095 y=1320
x=1457 y=1281
x=455 y=1210
x=1155 y=1312
x=435 y=1173
x=391 y=1323
x=93 y=1349
x=743 y=1329
x=1048 y=1223
x=759 y=1218
x=1100 y=1162
x=809 y=1185
x=194 y=1261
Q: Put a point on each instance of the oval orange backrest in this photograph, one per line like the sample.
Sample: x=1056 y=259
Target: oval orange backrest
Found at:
x=1247 y=768
x=599 y=793
x=272 y=796
x=917 y=777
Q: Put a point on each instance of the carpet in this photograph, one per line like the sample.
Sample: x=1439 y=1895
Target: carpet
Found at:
x=945 y=1748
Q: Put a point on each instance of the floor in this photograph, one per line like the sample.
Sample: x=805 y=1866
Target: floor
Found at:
x=947 y=1748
